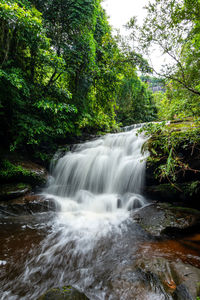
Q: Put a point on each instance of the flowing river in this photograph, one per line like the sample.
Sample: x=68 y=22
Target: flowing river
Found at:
x=91 y=241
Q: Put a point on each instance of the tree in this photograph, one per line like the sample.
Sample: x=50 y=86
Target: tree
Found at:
x=62 y=72
x=173 y=26
x=35 y=106
x=135 y=101
x=79 y=29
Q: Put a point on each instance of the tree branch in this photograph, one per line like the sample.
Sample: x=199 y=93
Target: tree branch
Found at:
x=179 y=81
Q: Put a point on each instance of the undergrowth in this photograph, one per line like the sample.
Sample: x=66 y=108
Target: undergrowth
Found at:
x=171 y=146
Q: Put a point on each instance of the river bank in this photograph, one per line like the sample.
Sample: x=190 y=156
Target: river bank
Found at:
x=173 y=167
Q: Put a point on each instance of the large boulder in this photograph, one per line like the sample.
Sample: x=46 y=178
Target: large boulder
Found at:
x=18 y=180
x=157 y=278
x=173 y=165
x=175 y=279
x=163 y=218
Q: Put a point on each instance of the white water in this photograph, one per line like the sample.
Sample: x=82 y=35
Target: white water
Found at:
x=95 y=186
x=101 y=176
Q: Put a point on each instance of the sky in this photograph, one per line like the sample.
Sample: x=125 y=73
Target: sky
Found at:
x=120 y=12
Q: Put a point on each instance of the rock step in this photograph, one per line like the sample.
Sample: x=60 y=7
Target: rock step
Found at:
x=13 y=190
x=27 y=205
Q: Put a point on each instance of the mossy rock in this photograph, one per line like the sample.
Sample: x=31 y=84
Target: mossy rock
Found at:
x=12 y=191
x=64 y=293
x=22 y=171
x=174 y=152
x=187 y=193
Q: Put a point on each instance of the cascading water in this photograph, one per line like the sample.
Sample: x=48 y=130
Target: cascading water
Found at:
x=101 y=176
x=95 y=186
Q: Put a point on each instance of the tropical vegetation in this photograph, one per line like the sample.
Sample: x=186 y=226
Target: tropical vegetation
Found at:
x=63 y=73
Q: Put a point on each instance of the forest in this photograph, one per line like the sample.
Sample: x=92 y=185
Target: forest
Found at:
x=64 y=73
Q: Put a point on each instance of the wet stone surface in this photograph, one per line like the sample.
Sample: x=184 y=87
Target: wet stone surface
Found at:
x=12 y=191
x=159 y=219
x=27 y=205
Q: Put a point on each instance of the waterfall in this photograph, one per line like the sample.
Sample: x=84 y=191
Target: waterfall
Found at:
x=103 y=175
x=91 y=236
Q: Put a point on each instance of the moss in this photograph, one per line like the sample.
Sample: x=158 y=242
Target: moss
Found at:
x=64 y=293
x=10 y=191
x=198 y=291
x=10 y=172
x=67 y=289
x=185 y=210
x=182 y=125
x=166 y=187
x=21 y=186
x=188 y=189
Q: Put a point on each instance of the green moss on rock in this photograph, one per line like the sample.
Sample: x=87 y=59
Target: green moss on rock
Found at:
x=64 y=293
x=12 y=191
x=179 y=192
x=174 y=151
x=22 y=171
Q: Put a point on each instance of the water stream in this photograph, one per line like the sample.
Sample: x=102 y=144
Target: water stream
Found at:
x=90 y=242
x=101 y=176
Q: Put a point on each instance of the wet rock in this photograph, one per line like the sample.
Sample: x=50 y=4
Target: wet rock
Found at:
x=163 y=218
x=11 y=191
x=182 y=293
x=156 y=278
x=136 y=203
x=119 y=203
x=65 y=293
x=28 y=204
x=176 y=279
x=38 y=174
x=136 y=284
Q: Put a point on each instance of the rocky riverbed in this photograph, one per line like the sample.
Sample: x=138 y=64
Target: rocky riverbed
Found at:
x=155 y=255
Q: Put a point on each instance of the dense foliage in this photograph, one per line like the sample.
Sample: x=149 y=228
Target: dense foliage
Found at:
x=33 y=106
x=136 y=102
x=174 y=149
x=62 y=72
